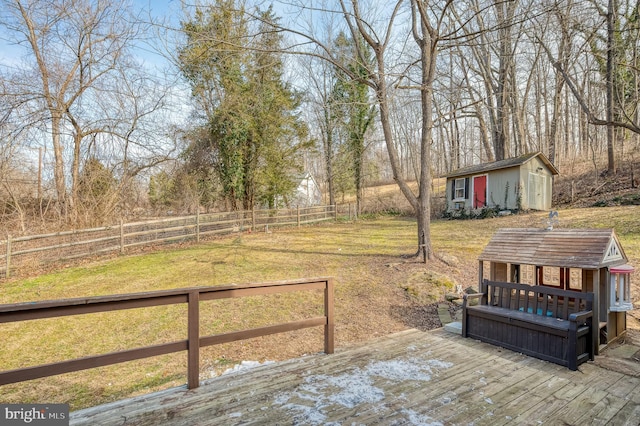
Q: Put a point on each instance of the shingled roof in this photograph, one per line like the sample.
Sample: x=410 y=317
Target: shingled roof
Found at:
x=503 y=164
x=568 y=248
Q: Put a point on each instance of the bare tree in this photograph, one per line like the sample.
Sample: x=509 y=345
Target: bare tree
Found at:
x=365 y=29
x=607 y=40
x=320 y=79
x=78 y=87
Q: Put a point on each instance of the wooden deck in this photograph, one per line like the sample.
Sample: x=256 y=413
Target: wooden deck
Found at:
x=409 y=378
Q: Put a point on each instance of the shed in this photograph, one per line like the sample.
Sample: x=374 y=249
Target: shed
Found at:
x=307 y=192
x=587 y=260
x=519 y=183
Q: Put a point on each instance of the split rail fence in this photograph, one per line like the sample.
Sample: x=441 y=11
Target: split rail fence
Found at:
x=25 y=252
x=192 y=343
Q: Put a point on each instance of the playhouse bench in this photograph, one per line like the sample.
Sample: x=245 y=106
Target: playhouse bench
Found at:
x=542 y=322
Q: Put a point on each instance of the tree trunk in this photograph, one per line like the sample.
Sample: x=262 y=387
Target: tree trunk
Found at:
x=611 y=165
x=58 y=158
x=328 y=157
x=428 y=51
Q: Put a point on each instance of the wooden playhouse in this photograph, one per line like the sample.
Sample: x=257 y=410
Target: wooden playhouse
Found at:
x=581 y=260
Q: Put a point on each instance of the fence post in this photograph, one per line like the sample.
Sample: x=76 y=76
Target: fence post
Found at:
x=121 y=236
x=7 y=274
x=335 y=211
x=329 y=327
x=193 y=336
x=253 y=219
x=298 y=216
x=198 y=225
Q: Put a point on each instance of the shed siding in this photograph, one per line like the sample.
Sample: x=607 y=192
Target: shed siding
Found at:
x=503 y=183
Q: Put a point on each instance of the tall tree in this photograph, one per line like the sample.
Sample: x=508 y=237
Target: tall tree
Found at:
x=280 y=135
x=212 y=60
x=236 y=73
x=351 y=99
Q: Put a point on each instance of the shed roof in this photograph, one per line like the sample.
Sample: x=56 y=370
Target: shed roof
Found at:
x=568 y=248
x=503 y=164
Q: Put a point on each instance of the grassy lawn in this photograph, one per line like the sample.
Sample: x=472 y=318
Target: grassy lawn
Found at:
x=365 y=258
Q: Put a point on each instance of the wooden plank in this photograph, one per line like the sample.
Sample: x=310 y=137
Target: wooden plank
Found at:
x=602 y=412
x=30 y=373
x=628 y=415
x=526 y=401
x=234 y=336
x=537 y=404
x=501 y=386
x=585 y=402
x=489 y=407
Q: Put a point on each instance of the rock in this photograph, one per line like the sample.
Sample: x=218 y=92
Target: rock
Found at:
x=450 y=297
x=449 y=259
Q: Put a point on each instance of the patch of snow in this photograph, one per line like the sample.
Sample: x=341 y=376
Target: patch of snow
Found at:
x=436 y=363
x=281 y=399
x=448 y=398
x=306 y=414
x=417 y=419
x=488 y=400
x=245 y=365
x=356 y=387
x=400 y=370
x=235 y=415
x=348 y=390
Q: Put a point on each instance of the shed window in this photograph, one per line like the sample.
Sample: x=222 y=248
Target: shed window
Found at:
x=460 y=189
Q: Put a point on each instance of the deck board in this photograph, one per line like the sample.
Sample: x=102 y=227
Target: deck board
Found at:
x=408 y=378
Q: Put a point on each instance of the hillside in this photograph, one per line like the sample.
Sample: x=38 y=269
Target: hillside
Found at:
x=587 y=186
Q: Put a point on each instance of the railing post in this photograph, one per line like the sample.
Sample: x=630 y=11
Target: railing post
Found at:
x=7 y=273
x=298 y=216
x=193 y=324
x=335 y=211
x=329 y=328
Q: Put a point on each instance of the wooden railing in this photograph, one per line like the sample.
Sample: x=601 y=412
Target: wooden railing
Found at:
x=192 y=297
